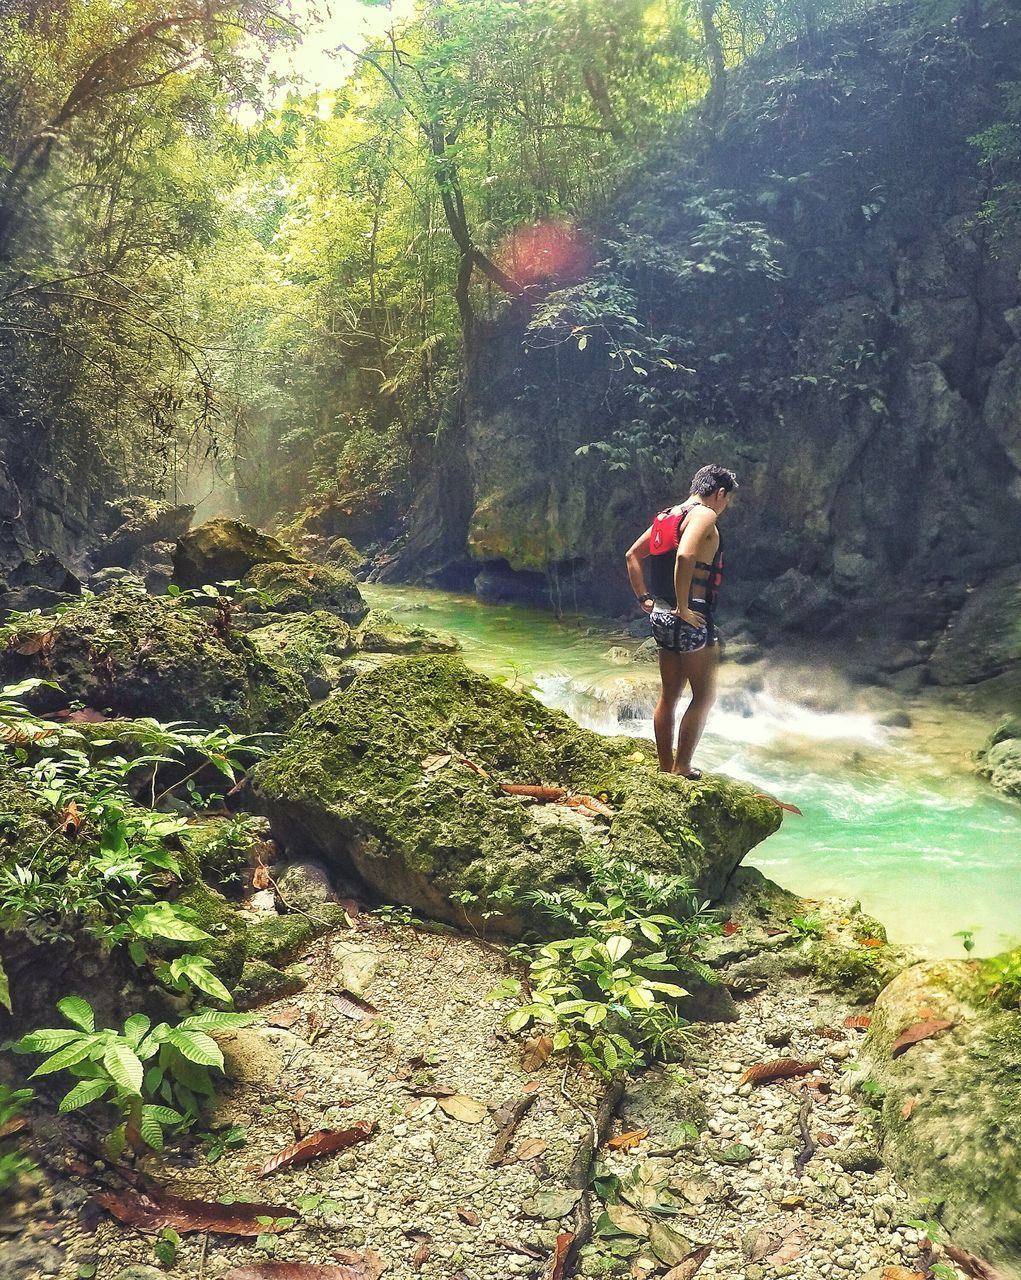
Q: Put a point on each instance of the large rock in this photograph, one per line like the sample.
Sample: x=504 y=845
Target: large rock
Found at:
x=138 y=655
x=381 y=633
x=1000 y=757
x=224 y=551
x=984 y=639
x=300 y=587
x=137 y=523
x=312 y=645
x=386 y=780
x=958 y=1144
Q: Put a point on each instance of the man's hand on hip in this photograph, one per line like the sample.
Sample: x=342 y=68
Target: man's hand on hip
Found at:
x=689 y=616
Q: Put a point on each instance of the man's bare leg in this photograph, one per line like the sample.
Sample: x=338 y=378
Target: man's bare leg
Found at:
x=699 y=669
x=672 y=680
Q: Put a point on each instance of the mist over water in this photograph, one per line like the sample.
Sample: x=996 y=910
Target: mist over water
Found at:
x=907 y=830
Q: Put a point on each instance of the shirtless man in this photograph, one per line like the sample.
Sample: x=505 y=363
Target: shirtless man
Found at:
x=680 y=602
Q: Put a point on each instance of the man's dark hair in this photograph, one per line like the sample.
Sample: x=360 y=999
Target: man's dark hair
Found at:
x=707 y=480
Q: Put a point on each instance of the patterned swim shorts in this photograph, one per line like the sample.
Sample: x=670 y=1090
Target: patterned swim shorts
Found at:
x=679 y=636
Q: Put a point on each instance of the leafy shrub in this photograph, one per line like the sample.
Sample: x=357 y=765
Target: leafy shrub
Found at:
x=111 y=1067
x=605 y=989
x=13 y=1165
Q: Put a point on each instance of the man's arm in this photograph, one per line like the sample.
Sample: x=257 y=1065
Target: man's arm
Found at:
x=696 y=526
x=637 y=552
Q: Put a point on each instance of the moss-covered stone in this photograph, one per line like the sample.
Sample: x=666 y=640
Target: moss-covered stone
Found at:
x=343 y=551
x=279 y=939
x=999 y=760
x=229 y=948
x=958 y=1146
x=138 y=655
x=224 y=551
x=349 y=784
x=261 y=982
x=382 y=633
x=305 y=587
x=312 y=645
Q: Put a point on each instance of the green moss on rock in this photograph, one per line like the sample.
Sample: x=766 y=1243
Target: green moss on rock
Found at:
x=311 y=645
x=958 y=1147
x=999 y=760
x=381 y=633
x=138 y=655
x=349 y=784
x=261 y=983
x=305 y=587
x=224 y=551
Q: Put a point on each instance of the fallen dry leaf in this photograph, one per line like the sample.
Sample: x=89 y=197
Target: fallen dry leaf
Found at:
x=420 y=1257
x=918 y=1031
x=825 y=1139
x=558 y=1261
x=459 y=1106
x=261 y=877
x=436 y=761
x=870 y=942
x=907 y=1108
x=730 y=928
x=531 y=1148
x=972 y=1265
x=475 y=768
x=902 y=1273
x=537 y=1052
x=533 y=1086
x=321 y=1143
x=158 y=1209
x=777 y=1069
x=687 y=1267
x=70 y=820
x=353 y=1266
x=352 y=1006
x=468 y=1216
x=625 y=1141
x=858 y=1022
x=285 y=1017
x=788 y=808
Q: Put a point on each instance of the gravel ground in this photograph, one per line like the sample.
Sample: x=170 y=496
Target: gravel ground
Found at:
x=422 y=1192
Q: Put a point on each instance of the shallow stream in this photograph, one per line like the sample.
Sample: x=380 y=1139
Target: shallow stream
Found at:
x=891 y=816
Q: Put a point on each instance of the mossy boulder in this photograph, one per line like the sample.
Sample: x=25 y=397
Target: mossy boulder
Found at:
x=137 y=523
x=137 y=655
x=397 y=779
x=999 y=760
x=343 y=551
x=224 y=551
x=958 y=1144
x=382 y=633
x=312 y=645
x=303 y=587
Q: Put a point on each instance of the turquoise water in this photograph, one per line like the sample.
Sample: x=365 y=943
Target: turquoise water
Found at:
x=891 y=816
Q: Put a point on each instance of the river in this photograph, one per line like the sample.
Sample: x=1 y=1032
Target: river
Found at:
x=892 y=816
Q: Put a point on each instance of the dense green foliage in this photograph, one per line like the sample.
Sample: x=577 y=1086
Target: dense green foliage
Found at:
x=192 y=268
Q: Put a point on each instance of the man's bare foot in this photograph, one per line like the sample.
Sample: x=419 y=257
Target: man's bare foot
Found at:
x=692 y=774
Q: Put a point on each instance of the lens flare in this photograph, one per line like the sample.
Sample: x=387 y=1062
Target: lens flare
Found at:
x=551 y=252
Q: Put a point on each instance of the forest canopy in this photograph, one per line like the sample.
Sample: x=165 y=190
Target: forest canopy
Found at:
x=202 y=269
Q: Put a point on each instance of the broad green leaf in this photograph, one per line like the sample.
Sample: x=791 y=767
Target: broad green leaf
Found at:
x=150 y=1129
x=197 y=971
x=135 y=1028
x=196 y=1046
x=618 y=946
x=165 y=1115
x=5 y=989
x=124 y=1067
x=78 y=1011
x=214 y=1020
x=45 y=1041
x=65 y=1057
x=83 y=1093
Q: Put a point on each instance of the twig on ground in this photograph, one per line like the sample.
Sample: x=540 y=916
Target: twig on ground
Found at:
x=579 y=1173
x=808 y=1151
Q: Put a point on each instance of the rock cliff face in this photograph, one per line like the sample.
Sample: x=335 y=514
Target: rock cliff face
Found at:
x=867 y=391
